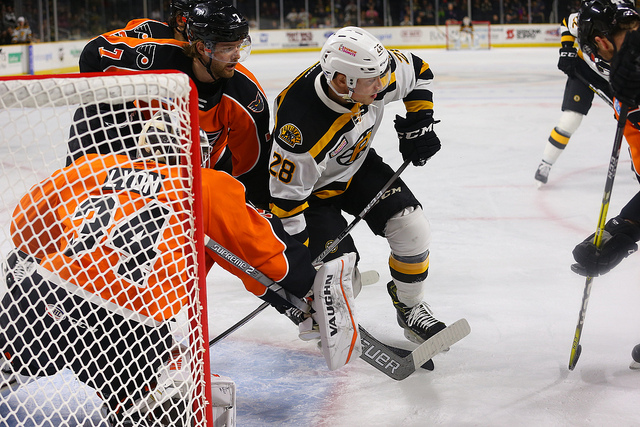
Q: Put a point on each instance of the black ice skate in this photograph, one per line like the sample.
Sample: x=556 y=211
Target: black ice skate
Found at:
x=418 y=323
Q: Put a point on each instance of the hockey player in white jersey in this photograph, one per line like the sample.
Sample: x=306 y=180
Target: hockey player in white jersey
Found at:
x=322 y=162
x=577 y=98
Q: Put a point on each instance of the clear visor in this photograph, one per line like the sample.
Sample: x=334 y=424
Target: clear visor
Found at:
x=229 y=52
x=370 y=85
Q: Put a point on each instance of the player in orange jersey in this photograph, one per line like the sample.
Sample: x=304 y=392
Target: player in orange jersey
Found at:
x=100 y=269
x=233 y=106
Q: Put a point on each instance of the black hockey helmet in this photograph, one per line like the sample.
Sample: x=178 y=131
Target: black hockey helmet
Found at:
x=216 y=21
x=602 y=18
x=180 y=8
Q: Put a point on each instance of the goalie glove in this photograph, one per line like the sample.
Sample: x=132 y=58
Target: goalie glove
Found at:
x=568 y=59
x=625 y=70
x=618 y=242
x=418 y=141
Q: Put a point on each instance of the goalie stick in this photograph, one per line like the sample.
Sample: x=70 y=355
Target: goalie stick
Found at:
x=395 y=362
x=398 y=363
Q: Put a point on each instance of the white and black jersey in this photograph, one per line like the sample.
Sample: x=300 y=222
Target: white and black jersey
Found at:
x=569 y=32
x=320 y=144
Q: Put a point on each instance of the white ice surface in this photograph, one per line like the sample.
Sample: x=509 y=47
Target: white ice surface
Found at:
x=500 y=257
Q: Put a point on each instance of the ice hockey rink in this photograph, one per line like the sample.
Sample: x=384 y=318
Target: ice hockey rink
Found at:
x=500 y=257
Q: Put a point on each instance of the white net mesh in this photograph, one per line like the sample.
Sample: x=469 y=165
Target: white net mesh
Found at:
x=100 y=317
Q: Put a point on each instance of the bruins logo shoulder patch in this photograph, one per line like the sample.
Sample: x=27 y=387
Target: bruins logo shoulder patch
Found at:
x=290 y=135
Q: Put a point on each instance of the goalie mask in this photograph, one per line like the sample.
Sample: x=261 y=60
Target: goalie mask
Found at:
x=358 y=55
x=159 y=140
x=224 y=31
x=602 y=18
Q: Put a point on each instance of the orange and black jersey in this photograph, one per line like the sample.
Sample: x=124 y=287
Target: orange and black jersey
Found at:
x=116 y=228
x=233 y=112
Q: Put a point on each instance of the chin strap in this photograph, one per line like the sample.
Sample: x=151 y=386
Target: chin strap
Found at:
x=208 y=67
x=346 y=96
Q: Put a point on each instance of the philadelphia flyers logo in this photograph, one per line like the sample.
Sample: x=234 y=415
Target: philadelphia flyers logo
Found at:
x=145 y=56
x=257 y=105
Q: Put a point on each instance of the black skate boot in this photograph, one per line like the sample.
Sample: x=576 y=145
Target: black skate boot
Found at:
x=418 y=323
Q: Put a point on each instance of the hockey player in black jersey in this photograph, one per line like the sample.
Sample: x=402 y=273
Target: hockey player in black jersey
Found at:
x=611 y=31
x=322 y=160
x=577 y=98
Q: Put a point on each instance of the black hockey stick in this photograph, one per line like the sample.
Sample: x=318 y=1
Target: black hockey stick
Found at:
x=365 y=211
x=264 y=280
x=576 y=348
x=395 y=362
x=595 y=90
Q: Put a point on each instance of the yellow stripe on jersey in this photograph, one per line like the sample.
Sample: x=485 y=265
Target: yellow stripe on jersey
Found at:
x=418 y=105
x=325 y=194
x=335 y=128
x=567 y=38
x=424 y=67
x=281 y=213
x=409 y=268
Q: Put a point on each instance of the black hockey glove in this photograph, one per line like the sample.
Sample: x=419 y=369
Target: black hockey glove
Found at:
x=625 y=70
x=567 y=62
x=618 y=242
x=418 y=141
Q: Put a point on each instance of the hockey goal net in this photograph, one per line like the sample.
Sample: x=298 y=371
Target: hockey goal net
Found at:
x=103 y=315
x=478 y=36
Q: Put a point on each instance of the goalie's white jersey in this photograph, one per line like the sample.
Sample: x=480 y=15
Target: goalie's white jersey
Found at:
x=319 y=144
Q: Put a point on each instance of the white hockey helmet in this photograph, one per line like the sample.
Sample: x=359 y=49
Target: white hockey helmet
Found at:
x=357 y=54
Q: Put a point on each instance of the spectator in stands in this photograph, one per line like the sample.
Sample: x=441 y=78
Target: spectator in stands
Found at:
x=292 y=18
x=371 y=16
x=22 y=32
x=350 y=13
x=451 y=14
x=303 y=18
x=8 y=17
x=537 y=12
x=6 y=37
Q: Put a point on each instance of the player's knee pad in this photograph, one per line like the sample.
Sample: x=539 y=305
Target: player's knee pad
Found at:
x=408 y=232
x=409 y=236
x=569 y=122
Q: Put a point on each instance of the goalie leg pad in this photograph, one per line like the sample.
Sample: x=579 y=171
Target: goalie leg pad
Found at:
x=223 y=400
x=333 y=304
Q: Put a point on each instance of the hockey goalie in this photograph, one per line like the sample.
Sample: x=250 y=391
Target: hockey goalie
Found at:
x=98 y=275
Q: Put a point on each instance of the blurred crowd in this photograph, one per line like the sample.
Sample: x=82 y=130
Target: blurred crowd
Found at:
x=28 y=20
x=14 y=29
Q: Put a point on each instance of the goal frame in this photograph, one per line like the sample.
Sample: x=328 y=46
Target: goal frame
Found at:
x=452 y=33
x=199 y=323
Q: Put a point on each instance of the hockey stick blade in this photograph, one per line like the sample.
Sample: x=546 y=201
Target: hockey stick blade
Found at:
x=399 y=367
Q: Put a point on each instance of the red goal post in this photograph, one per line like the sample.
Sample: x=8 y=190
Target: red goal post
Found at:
x=479 y=38
x=36 y=115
